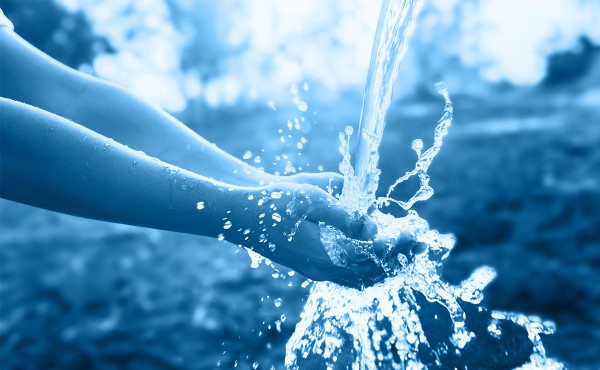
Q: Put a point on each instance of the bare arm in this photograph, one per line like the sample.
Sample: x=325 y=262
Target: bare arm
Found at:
x=50 y=162
x=32 y=77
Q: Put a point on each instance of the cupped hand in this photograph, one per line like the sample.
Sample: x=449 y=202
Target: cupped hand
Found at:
x=283 y=222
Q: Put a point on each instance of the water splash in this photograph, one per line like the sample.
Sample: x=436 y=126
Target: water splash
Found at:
x=381 y=326
x=424 y=159
x=396 y=24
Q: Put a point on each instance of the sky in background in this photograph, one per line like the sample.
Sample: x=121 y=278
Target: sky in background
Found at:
x=235 y=51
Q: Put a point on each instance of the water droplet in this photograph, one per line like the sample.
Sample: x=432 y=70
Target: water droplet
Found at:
x=255 y=258
x=247 y=155
x=402 y=259
x=255 y=365
x=276 y=195
x=250 y=197
x=302 y=106
x=289 y=168
x=247 y=231
x=349 y=130
x=411 y=338
x=200 y=205
x=417 y=145
x=278 y=302
x=220 y=237
x=227 y=225
x=276 y=217
x=272 y=247
x=494 y=330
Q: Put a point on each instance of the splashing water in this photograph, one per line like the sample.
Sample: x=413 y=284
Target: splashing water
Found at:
x=396 y=23
x=424 y=159
x=391 y=324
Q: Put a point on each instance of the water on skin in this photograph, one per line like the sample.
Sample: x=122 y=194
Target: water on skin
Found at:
x=379 y=326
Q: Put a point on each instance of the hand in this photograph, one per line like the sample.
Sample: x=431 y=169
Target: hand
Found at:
x=394 y=238
x=330 y=182
x=282 y=222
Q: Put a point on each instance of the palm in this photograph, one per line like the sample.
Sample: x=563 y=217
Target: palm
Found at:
x=282 y=222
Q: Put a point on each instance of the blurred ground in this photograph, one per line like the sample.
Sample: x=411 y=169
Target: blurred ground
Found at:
x=517 y=182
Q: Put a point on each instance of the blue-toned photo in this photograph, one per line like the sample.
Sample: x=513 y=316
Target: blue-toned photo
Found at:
x=278 y=184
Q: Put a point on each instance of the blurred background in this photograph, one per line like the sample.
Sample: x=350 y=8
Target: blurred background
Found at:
x=517 y=181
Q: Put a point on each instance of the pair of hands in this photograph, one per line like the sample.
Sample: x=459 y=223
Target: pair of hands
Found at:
x=284 y=221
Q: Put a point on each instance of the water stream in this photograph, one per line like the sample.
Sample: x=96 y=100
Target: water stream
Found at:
x=413 y=319
x=396 y=23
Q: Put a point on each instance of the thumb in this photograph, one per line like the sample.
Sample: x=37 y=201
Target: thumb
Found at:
x=352 y=225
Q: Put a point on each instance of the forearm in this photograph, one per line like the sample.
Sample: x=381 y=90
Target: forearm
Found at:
x=117 y=114
x=49 y=162
x=32 y=77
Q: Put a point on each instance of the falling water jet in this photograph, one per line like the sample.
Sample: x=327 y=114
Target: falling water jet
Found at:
x=413 y=319
x=396 y=24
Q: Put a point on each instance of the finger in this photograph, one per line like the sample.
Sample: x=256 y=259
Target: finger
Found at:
x=404 y=244
x=369 y=273
x=382 y=247
x=369 y=229
x=353 y=225
x=345 y=277
x=337 y=217
x=335 y=182
x=357 y=251
x=325 y=181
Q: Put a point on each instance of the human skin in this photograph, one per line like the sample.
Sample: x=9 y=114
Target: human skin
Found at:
x=54 y=163
x=140 y=133
x=30 y=76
